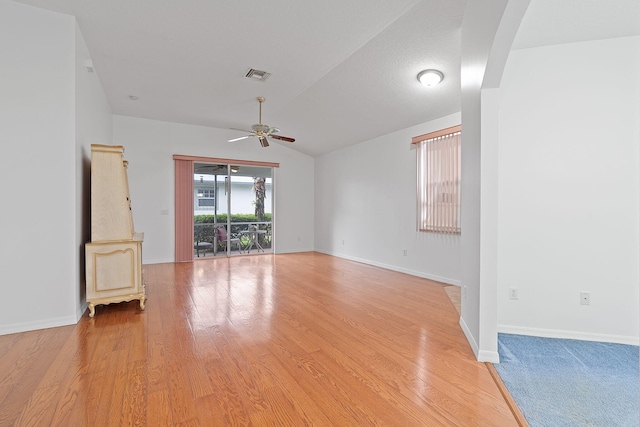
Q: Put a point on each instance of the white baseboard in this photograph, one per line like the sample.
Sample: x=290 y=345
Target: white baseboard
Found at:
x=421 y=274
x=81 y=311
x=292 y=251
x=37 y=324
x=481 y=355
x=469 y=335
x=158 y=261
x=488 y=356
x=574 y=335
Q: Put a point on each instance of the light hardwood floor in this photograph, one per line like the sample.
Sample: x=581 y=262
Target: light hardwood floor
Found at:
x=285 y=340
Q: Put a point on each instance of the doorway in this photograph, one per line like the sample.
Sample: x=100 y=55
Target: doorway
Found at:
x=232 y=209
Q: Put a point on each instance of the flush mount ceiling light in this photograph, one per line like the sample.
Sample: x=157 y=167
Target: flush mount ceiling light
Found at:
x=430 y=77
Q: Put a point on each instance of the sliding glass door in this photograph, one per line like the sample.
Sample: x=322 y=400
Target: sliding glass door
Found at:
x=251 y=202
x=232 y=209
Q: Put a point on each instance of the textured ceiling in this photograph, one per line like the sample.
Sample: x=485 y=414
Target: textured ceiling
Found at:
x=549 y=22
x=342 y=71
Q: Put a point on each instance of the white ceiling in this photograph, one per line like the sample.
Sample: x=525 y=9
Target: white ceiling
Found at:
x=342 y=71
x=549 y=22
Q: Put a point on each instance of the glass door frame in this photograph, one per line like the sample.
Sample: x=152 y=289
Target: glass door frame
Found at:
x=183 y=196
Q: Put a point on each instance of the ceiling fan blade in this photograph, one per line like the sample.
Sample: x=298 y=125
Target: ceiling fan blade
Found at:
x=263 y=141
x=282 y=138
x=240 y=138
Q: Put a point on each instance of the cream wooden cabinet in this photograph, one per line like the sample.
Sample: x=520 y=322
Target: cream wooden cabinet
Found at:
x=114 y=255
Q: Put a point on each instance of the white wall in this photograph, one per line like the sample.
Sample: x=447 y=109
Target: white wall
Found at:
x=38 y=259
x=150 y=146
x=488 y=29
x=94 y=125
x=365 y=198
x=569 y=190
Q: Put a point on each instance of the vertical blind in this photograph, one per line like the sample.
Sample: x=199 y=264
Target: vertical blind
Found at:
x=184 y=210
x=439 y=184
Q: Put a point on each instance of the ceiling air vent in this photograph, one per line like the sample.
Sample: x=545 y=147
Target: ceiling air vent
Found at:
x=258 y=75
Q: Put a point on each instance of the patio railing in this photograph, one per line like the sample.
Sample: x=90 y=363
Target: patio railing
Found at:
x=206 y=232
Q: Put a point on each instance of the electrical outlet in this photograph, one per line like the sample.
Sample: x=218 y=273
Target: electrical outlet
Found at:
x=585 y=298
x=404 y=252
x=513 y=293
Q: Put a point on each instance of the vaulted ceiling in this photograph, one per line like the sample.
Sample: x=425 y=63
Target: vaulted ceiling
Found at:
x=341 y=71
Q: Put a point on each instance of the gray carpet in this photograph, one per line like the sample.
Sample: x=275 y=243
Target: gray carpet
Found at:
x=560 y=382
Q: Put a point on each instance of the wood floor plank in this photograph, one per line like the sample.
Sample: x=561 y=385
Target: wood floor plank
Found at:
x=281 y=410
x=135 y=396
x=110 y=397
x=387 y=372
x=310 y=413
x=22 y=378
x=300 y=339
x=228 y=405
x=159 y=409
x=426 y=388
x=182 y=401
x=75 y=406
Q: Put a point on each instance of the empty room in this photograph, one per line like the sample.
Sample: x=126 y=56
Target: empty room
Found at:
x=394 y=213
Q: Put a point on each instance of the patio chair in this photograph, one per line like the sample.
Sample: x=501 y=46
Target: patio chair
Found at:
x=222 y=239
x=200 y=243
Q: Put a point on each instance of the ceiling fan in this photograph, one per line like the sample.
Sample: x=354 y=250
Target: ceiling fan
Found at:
x=262 y=131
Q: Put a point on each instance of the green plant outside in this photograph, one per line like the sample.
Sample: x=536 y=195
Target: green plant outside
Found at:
x=206 y=230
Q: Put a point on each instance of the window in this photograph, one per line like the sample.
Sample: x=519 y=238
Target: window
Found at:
x=438 y=156
x=204 y=197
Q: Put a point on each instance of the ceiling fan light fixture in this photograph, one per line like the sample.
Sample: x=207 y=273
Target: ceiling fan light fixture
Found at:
x=259 y=128
x=262 y=131
x=430 y=77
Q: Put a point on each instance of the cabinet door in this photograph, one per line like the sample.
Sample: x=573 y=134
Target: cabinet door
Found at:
x=113 y=269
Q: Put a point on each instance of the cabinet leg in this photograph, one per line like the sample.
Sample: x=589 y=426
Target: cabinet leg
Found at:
x=142 y=305
x=92 y=310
